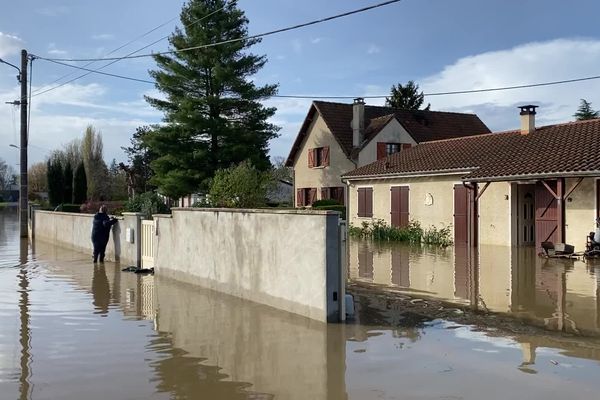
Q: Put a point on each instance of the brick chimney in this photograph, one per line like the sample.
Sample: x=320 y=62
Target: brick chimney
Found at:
x=358 y=121
x=527 y=119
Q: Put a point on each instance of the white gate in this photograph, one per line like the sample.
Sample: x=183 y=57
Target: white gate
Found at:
x=147 y=244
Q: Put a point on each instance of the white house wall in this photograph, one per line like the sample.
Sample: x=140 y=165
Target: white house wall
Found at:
x=319 y=135
x=494 y=214
x=393 y=132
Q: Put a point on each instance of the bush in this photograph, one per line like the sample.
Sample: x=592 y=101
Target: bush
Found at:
x=242 y=186
x=412 y=233
x=325 y=202
x=72 y=208
x=333 y=207
x=147 y=203
x=92 y=207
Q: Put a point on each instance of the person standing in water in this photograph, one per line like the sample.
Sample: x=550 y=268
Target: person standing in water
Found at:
x=101 y=232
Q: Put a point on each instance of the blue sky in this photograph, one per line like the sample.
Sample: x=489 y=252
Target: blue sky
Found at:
x=441 y=44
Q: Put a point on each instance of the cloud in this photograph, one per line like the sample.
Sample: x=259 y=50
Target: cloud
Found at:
x=297 y=46
x=52 y=50
x=53 y=11
x=524 y=64
x=373 y=49
x=316 y=40
x=9 y=44
x=103 y=36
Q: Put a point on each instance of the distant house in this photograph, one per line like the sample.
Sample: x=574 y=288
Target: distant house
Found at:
x=520 y=187
x=336 y=138
x=281 y=193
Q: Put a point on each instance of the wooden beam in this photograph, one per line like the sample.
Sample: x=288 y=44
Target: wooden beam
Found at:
x=551 y=191
x=573 y=188
x=482 y=191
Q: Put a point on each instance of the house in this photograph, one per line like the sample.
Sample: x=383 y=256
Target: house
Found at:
x=520 y=187
x=280 y=193
x=336 y=138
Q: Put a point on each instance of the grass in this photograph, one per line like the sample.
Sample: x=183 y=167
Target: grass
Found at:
x=413 y=233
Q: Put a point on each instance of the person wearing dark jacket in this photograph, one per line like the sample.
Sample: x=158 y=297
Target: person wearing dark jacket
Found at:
x=101 y=232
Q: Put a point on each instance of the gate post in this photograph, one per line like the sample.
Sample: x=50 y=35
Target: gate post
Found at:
x=133 y=225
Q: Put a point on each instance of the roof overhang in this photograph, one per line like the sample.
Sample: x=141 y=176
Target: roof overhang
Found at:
x=524 y=177
x=416 y=174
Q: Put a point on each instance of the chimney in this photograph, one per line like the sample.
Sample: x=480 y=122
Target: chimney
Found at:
x=527 y=119
x=358 y=121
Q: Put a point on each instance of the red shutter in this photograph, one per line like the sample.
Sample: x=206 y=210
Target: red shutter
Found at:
x=312 y=196
x=461 y=207
x=404 y=206
x=299 y=197
x=339 y=195
x=381 y=153
x=311 y=158
x=395 y=206
x=326 y=156
x=369 y=202
x=325 y=193
x=406 y=146
x=361 y=202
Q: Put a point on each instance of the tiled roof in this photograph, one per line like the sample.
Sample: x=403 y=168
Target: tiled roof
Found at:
x=570 y=149
x=422 y=125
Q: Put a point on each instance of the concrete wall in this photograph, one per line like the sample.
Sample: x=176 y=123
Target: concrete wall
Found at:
x=392 y=133
x=580 y=212
x=439 y=214
x=74 y=231
x=285 y=259
x=319 y=135
x=495 y=214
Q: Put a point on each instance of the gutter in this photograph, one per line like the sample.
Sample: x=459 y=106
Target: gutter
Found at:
x=417 y=174
x=535 y=176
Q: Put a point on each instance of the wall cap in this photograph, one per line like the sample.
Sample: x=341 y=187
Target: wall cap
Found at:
x=255 y=211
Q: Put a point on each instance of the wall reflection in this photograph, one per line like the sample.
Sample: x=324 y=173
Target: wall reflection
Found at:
x=559 y=295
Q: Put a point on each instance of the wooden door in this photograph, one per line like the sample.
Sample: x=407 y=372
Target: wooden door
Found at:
x=461 y=218
x=546 y=215
x=399 y=206
x=526 y=215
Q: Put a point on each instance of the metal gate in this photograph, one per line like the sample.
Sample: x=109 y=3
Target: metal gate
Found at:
x=147 y=244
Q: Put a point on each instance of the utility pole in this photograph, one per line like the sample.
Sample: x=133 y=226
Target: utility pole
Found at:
x=23 y=203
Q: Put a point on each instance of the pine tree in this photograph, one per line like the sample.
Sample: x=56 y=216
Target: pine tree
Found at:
x=585 y=111
x=213 y=115
x=406 y=97
x=55 y=181
x=68 y=184
x=80 y=185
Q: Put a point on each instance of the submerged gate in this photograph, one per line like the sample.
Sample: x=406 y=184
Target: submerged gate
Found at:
x=147 y=243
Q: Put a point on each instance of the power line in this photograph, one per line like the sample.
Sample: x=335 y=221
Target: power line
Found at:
x=455 y=92
x=257 y=36
x=90 y=71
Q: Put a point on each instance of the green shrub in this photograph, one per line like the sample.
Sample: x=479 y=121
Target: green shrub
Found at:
x=333 y=207
x=72 y=208
x=325 y=202
x=241 y=186
x=147 y=203
x=412 y=233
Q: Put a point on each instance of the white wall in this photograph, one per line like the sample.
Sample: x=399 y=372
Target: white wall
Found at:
x=286 y=259
x=393 y=132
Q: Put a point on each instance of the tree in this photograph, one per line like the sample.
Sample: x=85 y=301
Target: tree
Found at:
x=138 y=172
x=406 y=97
x=68 y=183
x=117 y=182
x=585 y=111
x=95 y=167
x=281 y=171
x=242 y=186
x=37 y=178
x=80 y=185
x=213 y=117
x=55 y=180
x=7 y=175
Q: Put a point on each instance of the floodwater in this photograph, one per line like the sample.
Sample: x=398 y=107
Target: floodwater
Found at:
x=70 y=330
x=557 y=294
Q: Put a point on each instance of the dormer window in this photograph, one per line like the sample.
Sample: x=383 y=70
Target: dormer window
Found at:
x=391 y=148
x=386 y=149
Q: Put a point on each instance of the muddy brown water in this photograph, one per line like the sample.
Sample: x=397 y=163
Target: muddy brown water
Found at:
x=69 y=330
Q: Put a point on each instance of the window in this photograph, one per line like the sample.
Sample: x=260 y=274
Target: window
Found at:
x=365 y=202
x=334 y=193
x=305 y=196
x=318 y=157
x=391 y=148
x=385 y=149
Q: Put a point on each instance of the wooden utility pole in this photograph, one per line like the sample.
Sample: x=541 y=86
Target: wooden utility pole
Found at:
x=23 y=203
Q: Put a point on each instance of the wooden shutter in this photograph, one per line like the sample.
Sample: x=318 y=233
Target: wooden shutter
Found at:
x=597 y=198
x=369 y=202
x=361 y=202
x=299 y=197
x=406 y=146
x=460 y=215
x=381 y=153
x=399 y=206
x=326 y=156
x=547 y=215
x=311 y=158
x=325 y=193
x=338 y=195
x=312 y=196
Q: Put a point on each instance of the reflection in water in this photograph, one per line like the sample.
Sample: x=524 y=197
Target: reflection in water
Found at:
x=100 y=333
x=557 y=294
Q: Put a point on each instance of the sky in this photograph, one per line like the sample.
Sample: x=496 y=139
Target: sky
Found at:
x=443 y=45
